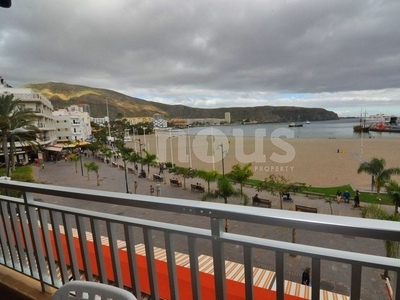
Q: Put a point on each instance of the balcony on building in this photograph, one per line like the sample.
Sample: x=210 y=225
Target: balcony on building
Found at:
x=53 y=242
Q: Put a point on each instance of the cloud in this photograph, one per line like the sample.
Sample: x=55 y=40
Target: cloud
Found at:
x=210 y=53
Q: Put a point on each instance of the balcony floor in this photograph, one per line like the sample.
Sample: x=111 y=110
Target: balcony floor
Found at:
x=15 y=286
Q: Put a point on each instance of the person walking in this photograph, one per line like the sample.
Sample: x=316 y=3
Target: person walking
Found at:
x=357 y=199
x=305 y=278
x=158 y=189
x=151 y=190
x=135 y=186
x=338 y=196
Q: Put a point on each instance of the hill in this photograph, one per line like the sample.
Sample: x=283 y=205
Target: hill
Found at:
x=62 y=95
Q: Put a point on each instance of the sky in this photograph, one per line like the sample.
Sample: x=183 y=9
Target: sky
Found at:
x=336 y=54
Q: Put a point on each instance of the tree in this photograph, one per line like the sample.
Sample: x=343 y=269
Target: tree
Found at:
x=127 y=154
x=376 y=168
x=149 y=159
x=75 y=158
x=393 y=189
x=92 y=167
x=374 y=211
x=95 y=168
x=184 y=172
x=106 y=152
x=226 y=190
x=207 y=176
x=241 y=175
x=278 y=185
x=13 y=116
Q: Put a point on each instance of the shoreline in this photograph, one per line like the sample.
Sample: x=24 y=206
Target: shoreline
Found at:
x=318 y=162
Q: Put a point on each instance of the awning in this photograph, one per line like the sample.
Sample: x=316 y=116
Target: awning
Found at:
x=52 y=148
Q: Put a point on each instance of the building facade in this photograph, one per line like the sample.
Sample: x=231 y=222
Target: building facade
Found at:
x=42 y=108
x=72 y=124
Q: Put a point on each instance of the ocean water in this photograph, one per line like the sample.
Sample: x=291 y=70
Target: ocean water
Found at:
x=334 y=129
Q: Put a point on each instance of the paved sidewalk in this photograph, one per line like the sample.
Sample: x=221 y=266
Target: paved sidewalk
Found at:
x=335 y=276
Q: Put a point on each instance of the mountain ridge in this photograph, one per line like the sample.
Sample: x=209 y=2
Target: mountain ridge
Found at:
x=63 y=94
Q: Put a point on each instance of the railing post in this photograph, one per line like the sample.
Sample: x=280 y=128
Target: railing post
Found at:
x=248 y=271
x=280 y=280
x=355 y=289
x=217 y=229
x=315 y=278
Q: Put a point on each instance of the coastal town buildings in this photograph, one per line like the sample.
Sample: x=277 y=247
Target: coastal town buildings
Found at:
x=43 y=109
x=72 y=124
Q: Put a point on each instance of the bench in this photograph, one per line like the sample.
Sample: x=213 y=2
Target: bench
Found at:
x=320 y=195
x=197 y=188
x=261 y=201
x=306 y=209
x=175 y=182
x=333 y=198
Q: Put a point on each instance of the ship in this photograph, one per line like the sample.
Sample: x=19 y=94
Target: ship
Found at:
x=391 y=126
x=295 y=124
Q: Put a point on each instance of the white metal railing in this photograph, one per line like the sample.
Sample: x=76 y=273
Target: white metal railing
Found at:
x=23 y=242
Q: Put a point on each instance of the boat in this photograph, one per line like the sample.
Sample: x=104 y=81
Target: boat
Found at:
x=295 y=124
x=308 y=122
x=361 y=128
x=391 y=126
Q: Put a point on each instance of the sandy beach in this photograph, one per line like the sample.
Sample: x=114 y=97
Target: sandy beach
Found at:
x=316 y=162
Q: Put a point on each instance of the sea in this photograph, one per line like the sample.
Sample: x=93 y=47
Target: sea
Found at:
x=331 y=129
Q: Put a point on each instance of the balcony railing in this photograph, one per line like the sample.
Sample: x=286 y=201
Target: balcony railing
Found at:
x=57 y=243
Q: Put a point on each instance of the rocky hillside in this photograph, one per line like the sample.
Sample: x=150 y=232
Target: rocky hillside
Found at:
x=62 y=95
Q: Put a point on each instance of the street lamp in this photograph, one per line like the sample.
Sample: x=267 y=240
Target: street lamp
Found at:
x=190 y=149
x=170 y=145
x=140 y=149
x=108 y=117
x=144 y=136
x=222 y=155
x=80 y=158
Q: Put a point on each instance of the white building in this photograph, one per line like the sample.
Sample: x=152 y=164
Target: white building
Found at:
x=72 y=124
x=43 y=110
x=159 y=121
x=228 y=117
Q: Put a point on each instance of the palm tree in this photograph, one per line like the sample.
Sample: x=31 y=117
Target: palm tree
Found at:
x=12 y=116
x=207 y=176
x=92 y=167
x=374 y=211
x=148 y=160
x=75 y=159
x=88 y=167
x=226 y=190
x=376 y=168
x=134 y=158
x=393 y=189
x=106 y=152
x=185 y=172
x=241 y=175
x=95 y=168
x=277 y=185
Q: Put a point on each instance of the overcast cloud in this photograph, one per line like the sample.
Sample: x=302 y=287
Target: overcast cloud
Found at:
x=341 y=55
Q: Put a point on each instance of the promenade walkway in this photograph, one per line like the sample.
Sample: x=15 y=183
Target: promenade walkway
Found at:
x=335 y=276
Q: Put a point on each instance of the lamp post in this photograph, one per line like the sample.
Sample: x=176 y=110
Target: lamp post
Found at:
x=190 y=149
x=126 y=173
x=80 y=158
x=140 y=149
x=222 y=155
x=108 y=117
x=170 y=146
